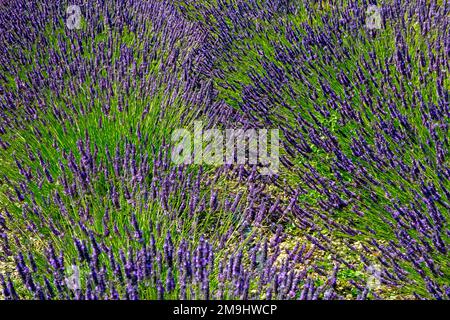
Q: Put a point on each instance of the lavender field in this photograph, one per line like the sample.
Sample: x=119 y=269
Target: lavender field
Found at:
x=95 y=205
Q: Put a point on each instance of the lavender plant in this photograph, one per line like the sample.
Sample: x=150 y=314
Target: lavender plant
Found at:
x=91 y=206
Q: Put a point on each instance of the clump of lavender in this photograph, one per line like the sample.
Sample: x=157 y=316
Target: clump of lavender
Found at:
x=92 y=207
x=364 y=114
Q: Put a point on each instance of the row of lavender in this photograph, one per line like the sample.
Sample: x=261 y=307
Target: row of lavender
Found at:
x=86 y=113
x=143 y=255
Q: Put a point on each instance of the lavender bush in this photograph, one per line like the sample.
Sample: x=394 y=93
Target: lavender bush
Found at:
x=91 y=206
